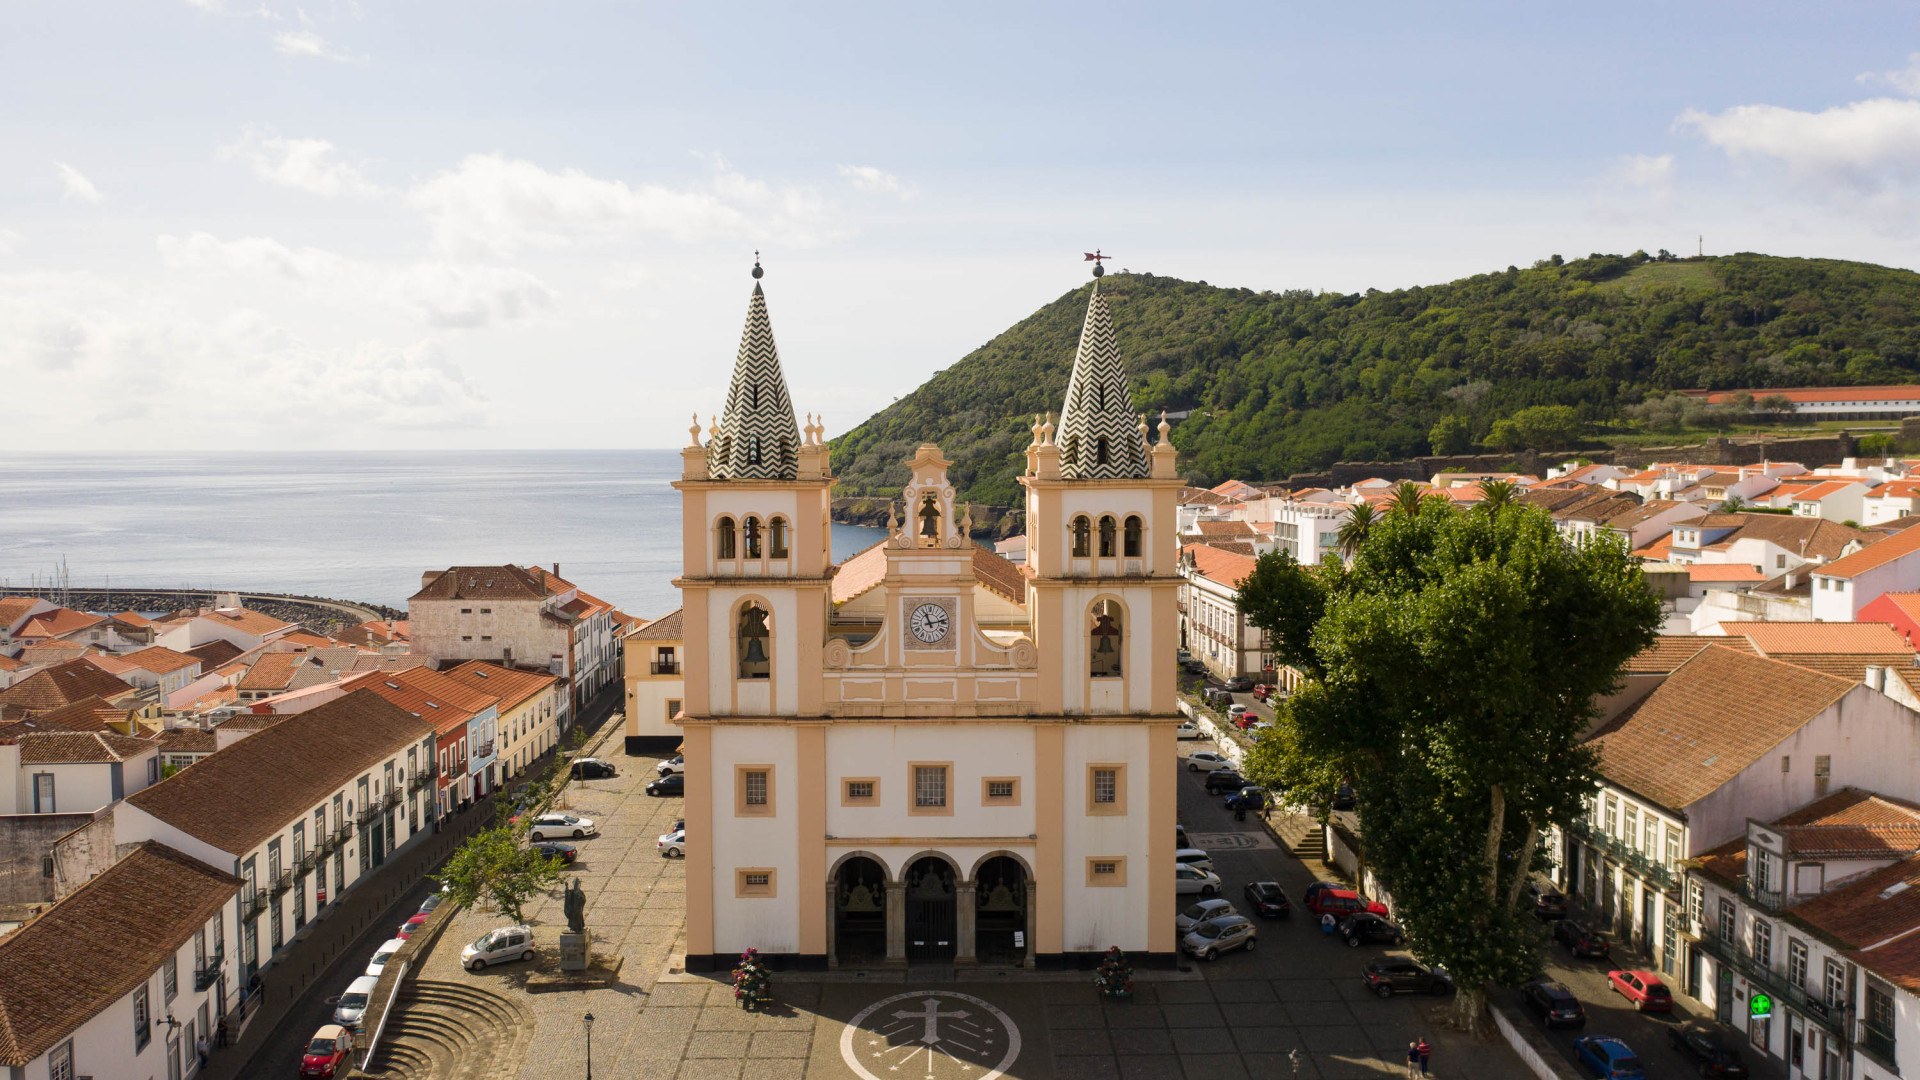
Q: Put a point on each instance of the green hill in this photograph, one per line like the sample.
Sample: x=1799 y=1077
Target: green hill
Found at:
x=1291 y=381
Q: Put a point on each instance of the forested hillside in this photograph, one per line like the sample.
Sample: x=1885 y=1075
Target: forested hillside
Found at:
x=1284 y=382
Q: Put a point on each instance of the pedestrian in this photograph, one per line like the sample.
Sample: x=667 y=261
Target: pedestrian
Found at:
x=220 y=1035
x=1326 y=924
x=1426 y=1051
x=200 y=1047
x=1413 y=1058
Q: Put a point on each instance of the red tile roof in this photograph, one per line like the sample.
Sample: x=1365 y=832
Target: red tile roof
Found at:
x=1819 y=637
x=1224 y=567
x=58 y=623
x=64 y=684
x=511 y=686
x=161 y=660
x=1669 y=651
x=1802 y=395
x=1723 y=572
x=1893 y=547
x=80 y=747
x=668 y=627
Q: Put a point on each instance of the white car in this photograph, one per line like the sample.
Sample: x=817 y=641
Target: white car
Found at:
x=668 y=768
x=557 y=826
x=1201 y=912
x=351 y=1007
x=506 y=944
x=1207 y=761
x=385 y=953
x=1188 y=730
x=1236 y=711
x=1188 y=880
x=673 y=845
x=1193 y=857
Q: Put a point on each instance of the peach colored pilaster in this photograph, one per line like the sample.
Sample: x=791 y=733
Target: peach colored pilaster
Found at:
x=811 y=758
x=699 y=812
x=1049 y=846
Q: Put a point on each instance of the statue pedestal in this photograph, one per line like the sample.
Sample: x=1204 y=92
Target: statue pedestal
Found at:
x=573 y=952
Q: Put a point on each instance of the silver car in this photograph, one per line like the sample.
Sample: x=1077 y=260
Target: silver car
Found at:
x=380 y=957
x=1207 y=761
x=1215 y=936
x=1201 y=912
x=499 y=946
x=1188 y=880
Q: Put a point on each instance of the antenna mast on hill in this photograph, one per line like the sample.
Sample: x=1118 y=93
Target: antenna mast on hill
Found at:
x=1702 y=249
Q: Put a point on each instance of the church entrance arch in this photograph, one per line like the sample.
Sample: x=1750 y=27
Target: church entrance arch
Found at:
x=1000 y=910
x=932 y=923
x=860 y=911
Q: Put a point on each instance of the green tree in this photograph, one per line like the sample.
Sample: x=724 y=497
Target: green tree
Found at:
x=1355 y=526
x=1498 y=495
x=1775 y=407
x=1408 y=499
x=1452 y=672
x=496 y=865
x=1451 y=434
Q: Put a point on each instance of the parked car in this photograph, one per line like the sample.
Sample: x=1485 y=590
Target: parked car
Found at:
x=410 y=927
x=499 y=946
x=1187 y=729
x=1235 y=712
x=1224 y=934
x=1549 y=903
x=352 y=1006
x=1607 y=1058
x=1224 y=780
x=675 y=784
x=1344 y=798
x=1581 y=941
x=1644 y=989
x=1193 y=857
x=1179 y=831
x=383 y=954
x=1714 y=1053
x=1366 y=928
x=1216 y=696
x=1250 y=797
x=554 y=849
x=1207 y=761
x=1395 y=976
x=676 y=764
x=1318 y=887
x=1268 y=899
x=1201 y=912
x=592 y=769
x=1194 y=667
x=1182 y=655
x=1554 y=1004
x=432 y=901
x=327 y=1052
x=1341 y=903
x=1188 y=880
x=1247 y=721
x=547 y=826
x=673 y=845
x=1261 y=691
x=1239 y=684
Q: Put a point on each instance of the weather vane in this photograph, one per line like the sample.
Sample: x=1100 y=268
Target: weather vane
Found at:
x=1094 y=257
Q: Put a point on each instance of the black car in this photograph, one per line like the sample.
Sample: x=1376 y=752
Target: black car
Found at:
x=1250 y=797
x=1366 y=928
x=554 y=849
x=432 y=901
x=1548 y=902
x=1194 y=667
x=591 y=769
x=1239 y=685
x=676 y=784
x=1268 y=901
x=1181 y=832
x=1703 y=1043
x=1554 y=1004
x=1344 y=798
x=1389 y=977
x=1581 y=941
x=1220 y=780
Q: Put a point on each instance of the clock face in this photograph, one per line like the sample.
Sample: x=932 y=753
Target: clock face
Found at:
x=929 y=623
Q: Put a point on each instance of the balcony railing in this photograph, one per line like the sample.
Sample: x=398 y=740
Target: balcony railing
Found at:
x=1649 y=870
x=393 y=797
x=282 y=882
x=485 y=750
x=342 y=835
x=1775 y=983
x=307 y=861
x=1879 y=1043
x=667 y=667
x=208 y=970
x=253 y=905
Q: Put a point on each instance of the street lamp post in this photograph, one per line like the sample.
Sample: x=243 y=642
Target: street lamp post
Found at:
x=586 y=1022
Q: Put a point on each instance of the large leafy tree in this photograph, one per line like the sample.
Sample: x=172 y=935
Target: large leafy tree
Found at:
x=495 y=864
x=1452 y=671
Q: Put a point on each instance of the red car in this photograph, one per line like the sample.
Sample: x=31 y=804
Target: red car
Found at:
x=408 y=928
x=1261 y=691
x=327 y=1053
x=1644 y=989
x=1342 y=903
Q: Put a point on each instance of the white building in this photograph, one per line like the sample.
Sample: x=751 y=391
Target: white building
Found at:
x=931 y=787
x=236 y=626
x=1841 y=588
x=518 y=617
x=74 y=772
x=1213 y=630
x=656 y=692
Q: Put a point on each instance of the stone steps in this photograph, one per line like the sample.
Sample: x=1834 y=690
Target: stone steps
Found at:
x=453 y=1031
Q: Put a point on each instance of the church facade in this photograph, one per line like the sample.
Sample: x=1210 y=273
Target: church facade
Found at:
x=927 y=753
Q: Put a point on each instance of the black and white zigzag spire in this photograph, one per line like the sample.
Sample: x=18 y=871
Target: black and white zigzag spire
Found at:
x=757 y=438
x=1100 y=435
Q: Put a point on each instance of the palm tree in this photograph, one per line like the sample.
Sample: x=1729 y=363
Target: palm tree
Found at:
x=1408 y=498
x=1359 y=523
x=1732 y=504
x=1498 y=495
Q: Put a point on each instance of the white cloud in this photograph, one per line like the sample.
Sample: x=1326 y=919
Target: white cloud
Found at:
x=1644 y=171
x=466 y=296
x=1862 y=146
x=1906 y=80
x=307 y=41
x=875 y=182
x=1639 y=187
x=490 y=204
x=9 y=240
x=75 y=185
x=308 y=165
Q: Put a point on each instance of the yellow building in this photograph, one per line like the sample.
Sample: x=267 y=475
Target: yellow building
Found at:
x=655 y=653
x=531 y=706
x=940 y=757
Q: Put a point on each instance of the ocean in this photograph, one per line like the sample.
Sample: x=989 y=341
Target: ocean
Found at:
x=350 y=525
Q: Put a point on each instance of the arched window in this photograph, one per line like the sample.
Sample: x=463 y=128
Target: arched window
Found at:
x=1106 y=537
x=777 y=541
x=1130 y=534
x=754 y=643
x=1107 y=641
x=1101 y=452
x=753 y=537
x=753 y=450
x=725 y=548
x=1082 y=538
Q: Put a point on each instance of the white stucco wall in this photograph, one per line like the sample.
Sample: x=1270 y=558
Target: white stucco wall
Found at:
x=771 y=924
x=1095 y=918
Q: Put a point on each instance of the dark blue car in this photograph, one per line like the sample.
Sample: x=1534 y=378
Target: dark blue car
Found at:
x=1609 y=1059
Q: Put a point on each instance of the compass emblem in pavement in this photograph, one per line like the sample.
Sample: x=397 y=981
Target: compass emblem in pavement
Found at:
x=930 y=1035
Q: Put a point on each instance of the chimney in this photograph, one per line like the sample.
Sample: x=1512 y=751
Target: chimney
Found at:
x=1876 y=678
x=556 y=569
x=426 y=579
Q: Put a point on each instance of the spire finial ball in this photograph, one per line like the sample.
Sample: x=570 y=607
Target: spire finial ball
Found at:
x=1099 y=270
x=757 y=272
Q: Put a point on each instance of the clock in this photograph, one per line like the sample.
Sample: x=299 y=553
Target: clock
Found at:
x=930 y=623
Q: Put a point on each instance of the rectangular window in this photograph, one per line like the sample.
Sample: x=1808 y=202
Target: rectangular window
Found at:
x=1697 y=905
x=1723 y=926
x=1834 y=985
x=1797 y=963
x=1763 y=942
x=142 y=1019
x=486 y=611
x=1650 y=840
x=1633 y=825
x=1786 y=763
x=1822 y=775
x=1106 y=788
x=753 y=790
x=930 y=787
x=466 y=611
x=60 y=1062
x=1613 y=815
x=1673 y=848
x=1106 y=871
x=673 y=708
x=1000 y=791
x=170 y=976
x=859 y=791
x=754 y=881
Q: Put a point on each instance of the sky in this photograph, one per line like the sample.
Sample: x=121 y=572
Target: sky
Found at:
x=250 y=225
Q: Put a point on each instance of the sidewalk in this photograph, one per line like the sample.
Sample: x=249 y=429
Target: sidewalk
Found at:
x=316 y=947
